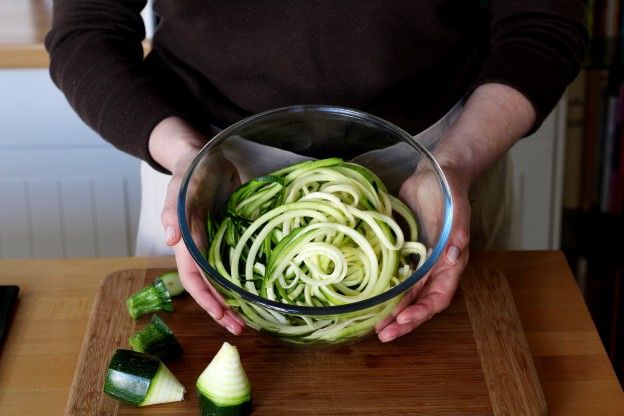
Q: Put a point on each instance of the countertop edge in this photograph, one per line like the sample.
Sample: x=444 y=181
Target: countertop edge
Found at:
x=23 y=56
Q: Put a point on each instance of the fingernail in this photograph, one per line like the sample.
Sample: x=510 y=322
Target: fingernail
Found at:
x=231 y=329
x=453 y=254
x=236 y=318
x=385 y=337
x=170 y=232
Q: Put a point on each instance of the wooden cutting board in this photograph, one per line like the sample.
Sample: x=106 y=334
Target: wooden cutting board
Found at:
x=472 y=359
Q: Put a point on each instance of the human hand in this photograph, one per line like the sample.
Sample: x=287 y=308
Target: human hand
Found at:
x=493 y=118
x=174 y=144
x=432 y=294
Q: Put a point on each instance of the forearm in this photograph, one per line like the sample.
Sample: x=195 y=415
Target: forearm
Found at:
x=96 y=59
x=536 y=47
x=493 y=119
x=171 y=140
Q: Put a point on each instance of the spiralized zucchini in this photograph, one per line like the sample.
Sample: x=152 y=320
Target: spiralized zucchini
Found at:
x=317 y=233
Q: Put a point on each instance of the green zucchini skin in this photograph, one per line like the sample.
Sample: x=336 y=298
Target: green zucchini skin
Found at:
x=158 y=340
x=172 y=283
x=129 y=376
x=208 y=408
x=151 y=298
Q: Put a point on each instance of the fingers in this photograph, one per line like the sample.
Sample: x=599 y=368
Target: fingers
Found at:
x=205 y=295
x=415 y=315
x=407 y=300
x=437 y=292
x=459 y=238
x=433 y=298
x=169 y=215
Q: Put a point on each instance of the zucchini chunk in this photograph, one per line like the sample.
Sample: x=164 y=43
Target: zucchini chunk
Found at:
x=156 y=339
x=223 y=387
x=172 y=282
x=139 y=379
x=155 y=297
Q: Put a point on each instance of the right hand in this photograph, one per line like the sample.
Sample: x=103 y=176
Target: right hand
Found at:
x=434 y=293
x=174 y=144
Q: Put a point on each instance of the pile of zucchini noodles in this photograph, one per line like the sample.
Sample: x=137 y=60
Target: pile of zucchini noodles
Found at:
x=317 y=233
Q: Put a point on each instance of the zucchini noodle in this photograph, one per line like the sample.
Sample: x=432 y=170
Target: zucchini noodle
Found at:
x=317 y=233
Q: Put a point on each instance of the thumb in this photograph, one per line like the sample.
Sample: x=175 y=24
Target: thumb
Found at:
x=169 y=215
x=460 y=232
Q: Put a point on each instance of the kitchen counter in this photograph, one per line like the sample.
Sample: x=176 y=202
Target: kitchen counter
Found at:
x=23 y=26
x=40 y=354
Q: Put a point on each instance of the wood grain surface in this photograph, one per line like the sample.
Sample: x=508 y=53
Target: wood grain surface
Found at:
x=513 y=383
x=438 y=370
x=39 y=358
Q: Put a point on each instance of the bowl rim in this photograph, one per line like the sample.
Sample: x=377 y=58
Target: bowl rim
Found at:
x=402 y=287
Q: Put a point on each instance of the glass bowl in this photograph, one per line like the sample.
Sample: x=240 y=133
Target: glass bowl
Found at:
x=266 y=142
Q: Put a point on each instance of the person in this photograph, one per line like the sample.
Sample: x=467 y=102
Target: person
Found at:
x=212 y=63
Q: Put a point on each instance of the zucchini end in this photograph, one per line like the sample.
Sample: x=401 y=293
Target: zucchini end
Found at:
x=223 y=387
x=139 y=379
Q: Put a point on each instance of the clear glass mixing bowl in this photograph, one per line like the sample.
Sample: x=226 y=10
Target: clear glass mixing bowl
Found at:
x=274 y=139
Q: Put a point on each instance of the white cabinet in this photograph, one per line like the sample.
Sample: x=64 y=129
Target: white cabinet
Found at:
x=64 y=192
x=538 y=182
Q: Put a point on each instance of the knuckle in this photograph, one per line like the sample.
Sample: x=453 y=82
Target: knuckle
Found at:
x=168 y=215
x=461 y=238
x=445 y=303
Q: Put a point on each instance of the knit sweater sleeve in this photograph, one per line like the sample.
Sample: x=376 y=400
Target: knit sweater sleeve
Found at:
x=536 y=47
x=96 y=59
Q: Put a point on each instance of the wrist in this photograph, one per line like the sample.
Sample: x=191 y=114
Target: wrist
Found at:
x=493 y=119
x=460 y=171
x=460 y=159
x=172 y=139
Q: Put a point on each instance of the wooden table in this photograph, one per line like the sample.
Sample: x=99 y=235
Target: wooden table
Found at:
x=39 y=357
x=23 y=26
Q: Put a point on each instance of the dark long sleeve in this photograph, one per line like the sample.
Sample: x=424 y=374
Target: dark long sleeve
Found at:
x=96 y=59
x=215 y=62
x=536 y=47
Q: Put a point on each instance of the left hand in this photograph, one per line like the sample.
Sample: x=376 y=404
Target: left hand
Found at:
x=493 y=118
x=433 y=294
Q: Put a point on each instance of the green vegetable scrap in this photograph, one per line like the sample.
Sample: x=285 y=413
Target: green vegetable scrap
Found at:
x=172 y=283
x=139 y=379
x=156 y=339
x=155 y=297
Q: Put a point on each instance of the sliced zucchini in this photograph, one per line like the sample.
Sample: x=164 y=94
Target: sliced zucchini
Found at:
x=139 y=379
x=156 y=339
x=223 y=387
x=151 y=298
x=172 y=283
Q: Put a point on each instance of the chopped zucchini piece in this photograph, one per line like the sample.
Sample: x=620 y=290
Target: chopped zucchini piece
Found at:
x=151 y=298
x=223 y=387
x=139 y=379
x=156 y=339
x=172 y=282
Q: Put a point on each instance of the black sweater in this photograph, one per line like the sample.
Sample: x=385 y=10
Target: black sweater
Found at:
x=220 y=61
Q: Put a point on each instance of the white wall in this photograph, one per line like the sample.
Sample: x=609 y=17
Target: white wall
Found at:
x=538 y=182
x=64 y=192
